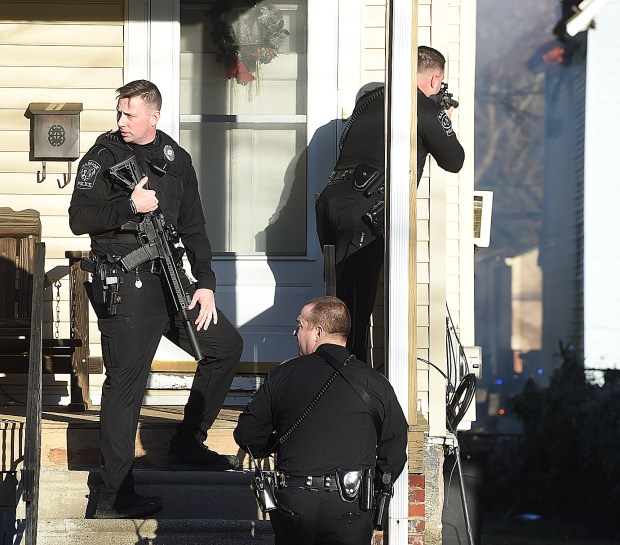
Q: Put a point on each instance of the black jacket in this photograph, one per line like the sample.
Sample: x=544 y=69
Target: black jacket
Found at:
x=338 y=433
x=437 y=137
x=99 y=207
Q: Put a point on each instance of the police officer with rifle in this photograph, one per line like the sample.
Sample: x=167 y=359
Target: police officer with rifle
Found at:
x=350 y=212
x=338 y=433
x=136 y=195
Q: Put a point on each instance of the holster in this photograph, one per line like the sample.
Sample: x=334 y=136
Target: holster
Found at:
x=375 y=218
x=264 y=486
x=106 y=282
x=368 y=179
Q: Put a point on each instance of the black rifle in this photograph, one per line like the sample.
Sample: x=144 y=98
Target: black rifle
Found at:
x=444 y=99
x=157 y=241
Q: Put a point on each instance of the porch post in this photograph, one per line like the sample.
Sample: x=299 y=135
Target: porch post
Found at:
x=401 y=37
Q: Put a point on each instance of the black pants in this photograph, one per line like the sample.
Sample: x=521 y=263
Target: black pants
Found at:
x=359 y=255
x=318 y=517
x=357 y=278
x=129 y=341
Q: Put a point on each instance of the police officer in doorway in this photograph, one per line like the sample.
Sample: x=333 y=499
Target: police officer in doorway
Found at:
x=133 y=323
x=328 y=445
x=350 y=210
x=353 y=190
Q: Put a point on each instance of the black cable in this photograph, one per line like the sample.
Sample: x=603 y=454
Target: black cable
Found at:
x=460 y=402
x=284 y=437
x=437 y=368
x=307 y=410
x=377 y=93
x=461 y=350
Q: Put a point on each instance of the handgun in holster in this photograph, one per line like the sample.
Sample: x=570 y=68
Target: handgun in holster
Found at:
x=106 y=282
x=383 y=495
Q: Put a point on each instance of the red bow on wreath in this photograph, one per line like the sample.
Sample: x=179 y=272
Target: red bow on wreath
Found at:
x=240 y=72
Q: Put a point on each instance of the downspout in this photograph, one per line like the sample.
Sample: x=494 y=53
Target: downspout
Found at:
x=401 y=39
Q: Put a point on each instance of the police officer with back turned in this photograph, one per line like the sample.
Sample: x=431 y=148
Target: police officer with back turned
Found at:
x=350 y=210
x=329 y=441
x=135 y=309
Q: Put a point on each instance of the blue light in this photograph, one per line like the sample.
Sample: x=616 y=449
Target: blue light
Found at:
x=500 y=381
x=540 y=371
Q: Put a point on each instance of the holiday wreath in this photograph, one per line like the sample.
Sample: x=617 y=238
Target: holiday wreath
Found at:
x=246 y=34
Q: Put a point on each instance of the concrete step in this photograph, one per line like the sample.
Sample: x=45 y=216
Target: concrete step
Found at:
x=201 y=507
x=71 y=440
x=186 y=494
x=154 y=532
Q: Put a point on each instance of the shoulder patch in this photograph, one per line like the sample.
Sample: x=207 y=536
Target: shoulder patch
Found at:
x=87 y=174
x=445 y=122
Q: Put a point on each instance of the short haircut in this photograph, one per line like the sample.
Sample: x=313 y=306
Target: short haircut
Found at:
x=142 y=88
x=430 y=59
x=331 y=314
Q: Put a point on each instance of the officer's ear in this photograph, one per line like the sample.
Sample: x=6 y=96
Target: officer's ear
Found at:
x=319 y=332
x=155 y=117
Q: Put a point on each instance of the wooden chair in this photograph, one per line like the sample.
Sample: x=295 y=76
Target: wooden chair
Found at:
x=18 y=233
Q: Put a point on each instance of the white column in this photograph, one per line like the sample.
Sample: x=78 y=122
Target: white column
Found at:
x=398 y=147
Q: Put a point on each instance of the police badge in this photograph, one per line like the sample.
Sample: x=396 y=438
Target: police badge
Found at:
x=169 y=152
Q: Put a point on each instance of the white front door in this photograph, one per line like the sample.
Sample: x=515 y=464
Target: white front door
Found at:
x=251 y=93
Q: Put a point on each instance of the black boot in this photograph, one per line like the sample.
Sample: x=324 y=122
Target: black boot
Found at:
x=126 y=505
x=188 y=451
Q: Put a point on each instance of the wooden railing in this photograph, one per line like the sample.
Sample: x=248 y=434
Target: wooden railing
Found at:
x=32 y=454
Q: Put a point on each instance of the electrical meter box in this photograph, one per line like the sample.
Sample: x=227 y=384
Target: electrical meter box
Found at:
x=55 y=131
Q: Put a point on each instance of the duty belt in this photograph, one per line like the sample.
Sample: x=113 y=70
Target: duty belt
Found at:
x=346 y=174
x=324 y=482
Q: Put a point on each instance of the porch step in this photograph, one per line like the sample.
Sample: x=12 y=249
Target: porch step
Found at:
x=155 y=532
x=186 y=494
x=71 y=440
x=215 y=508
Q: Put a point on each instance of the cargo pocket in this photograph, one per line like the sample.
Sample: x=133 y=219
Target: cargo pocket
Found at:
x=116 y=333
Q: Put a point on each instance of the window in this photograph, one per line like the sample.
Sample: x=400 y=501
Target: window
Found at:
x=247 y=141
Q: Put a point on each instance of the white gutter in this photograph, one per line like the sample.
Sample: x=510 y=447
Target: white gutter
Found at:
x=398 y=155
x=587 y=10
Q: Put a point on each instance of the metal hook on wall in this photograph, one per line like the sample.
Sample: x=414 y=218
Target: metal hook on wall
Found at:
x=66 y=178
x=39 y=177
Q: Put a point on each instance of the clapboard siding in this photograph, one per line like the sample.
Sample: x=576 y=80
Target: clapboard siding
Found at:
x=92 y=99
x=67 y=51
x=30 y=34
x=94 y=121
x=15 y=141
x=67 y=11
x=74 y=56
x=61 y=76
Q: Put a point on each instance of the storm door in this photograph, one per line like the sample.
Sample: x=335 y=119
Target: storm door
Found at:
x=256 y=109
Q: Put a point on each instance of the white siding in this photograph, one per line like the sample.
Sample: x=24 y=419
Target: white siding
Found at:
x=444 y=209
x=445 y=214
x=601 y=195
x=71 y=52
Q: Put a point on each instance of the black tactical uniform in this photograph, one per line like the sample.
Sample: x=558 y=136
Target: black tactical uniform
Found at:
x=338 y=433
x=340 y=207
x=130 y=338
x=339 y=211
x=437 y=137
